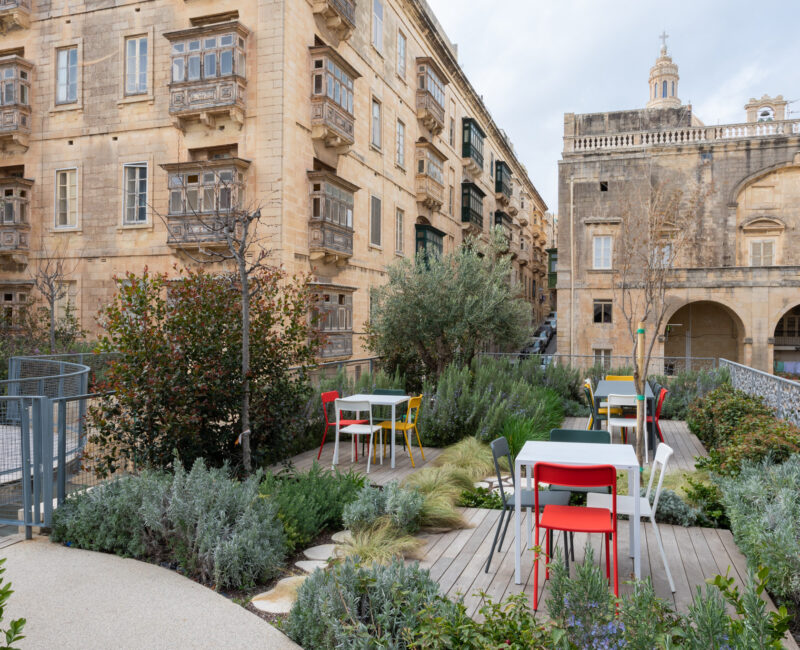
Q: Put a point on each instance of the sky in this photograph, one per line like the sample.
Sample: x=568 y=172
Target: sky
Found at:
x=533 y=61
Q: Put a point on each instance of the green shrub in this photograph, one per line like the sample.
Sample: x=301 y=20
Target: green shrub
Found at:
x=477 y=401
x=717 y=416
x=763 y=505
x=15 y=627
x=480 y=498
x=674 y=510
x=399 y=505
x=310 y=502
x=518 y=430
x=213 y=528
x=687 y=386
x=707 y=498
x=352 y=606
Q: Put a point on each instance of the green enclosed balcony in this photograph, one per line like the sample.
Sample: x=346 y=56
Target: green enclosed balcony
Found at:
x=502 y=183
x=472 y=146
x=472 y=207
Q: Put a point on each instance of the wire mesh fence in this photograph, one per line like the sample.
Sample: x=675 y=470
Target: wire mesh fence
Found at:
x=624 y=364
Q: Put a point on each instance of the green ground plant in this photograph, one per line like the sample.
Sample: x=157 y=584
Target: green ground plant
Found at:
x=15 y=628
x=715 y=418
x=687 y=386
x=211 y=527
x=310 y=502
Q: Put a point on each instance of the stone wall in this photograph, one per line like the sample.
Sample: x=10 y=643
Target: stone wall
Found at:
x=781 y=394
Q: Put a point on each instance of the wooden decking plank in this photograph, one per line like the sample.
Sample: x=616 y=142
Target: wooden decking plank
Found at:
x=440 y=542
x=658 y=574
x=473 y=576
x=690 y=562
x=683 y=581
x=467 y=556
x=452 y=551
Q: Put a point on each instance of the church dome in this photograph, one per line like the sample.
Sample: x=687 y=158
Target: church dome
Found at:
x=663 y=83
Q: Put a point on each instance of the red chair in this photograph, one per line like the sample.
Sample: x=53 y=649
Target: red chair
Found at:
x=656 y=419
x=575 y=518
x=327 y=398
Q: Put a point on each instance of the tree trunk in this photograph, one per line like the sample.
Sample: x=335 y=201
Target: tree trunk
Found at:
x=52 y=326
x=245 y=416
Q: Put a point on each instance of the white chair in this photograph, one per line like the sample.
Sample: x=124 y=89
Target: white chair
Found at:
x=623 y=402
x=625 y=503
x=355 y=430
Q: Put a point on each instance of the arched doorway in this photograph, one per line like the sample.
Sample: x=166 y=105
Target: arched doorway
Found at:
x=787 y=342
x=704 y=329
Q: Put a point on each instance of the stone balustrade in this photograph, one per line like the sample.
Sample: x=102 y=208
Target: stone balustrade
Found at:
x=679 y=136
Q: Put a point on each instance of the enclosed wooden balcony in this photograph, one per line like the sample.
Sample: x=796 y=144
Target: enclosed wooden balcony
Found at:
x=14 y=221
x=329 y=242
x=15 y=109
x=430 y=95
x=336 y=345
x=430 y=175
x=339 y=16
x=472 y=208
x=472 y=146
x=14 y=14
x=208 y=78
x=195 y=233
x=502 y=183
x=330 y=226
x=332 y=85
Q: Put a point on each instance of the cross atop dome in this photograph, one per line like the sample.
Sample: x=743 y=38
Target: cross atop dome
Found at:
x=664 y=36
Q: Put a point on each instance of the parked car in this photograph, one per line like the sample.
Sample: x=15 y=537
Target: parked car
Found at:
x=544 y=333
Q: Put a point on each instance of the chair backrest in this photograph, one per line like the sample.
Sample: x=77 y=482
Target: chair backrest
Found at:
x=621 y=400
x=663 y=453
x=619 y=377
x=388 y=391
x=661 y=397
x=579 y=476
x=414 y=405
x=341 y=405
x=327 y=398
x=500 y=449
x=580 y=435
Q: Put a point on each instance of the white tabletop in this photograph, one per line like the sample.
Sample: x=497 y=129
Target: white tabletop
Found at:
x=379 y=400
x=577 y=453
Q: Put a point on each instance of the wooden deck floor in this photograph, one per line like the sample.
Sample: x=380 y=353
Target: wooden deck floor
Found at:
x=380 y=474
x=457 y=559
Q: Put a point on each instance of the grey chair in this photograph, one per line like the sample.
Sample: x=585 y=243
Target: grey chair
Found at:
x=500 y=450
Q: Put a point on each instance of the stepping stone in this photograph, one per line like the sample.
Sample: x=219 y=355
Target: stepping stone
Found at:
x=483 y=484
x=310 y=565
x=323 y=552
x=279 y=599
x=342 y=537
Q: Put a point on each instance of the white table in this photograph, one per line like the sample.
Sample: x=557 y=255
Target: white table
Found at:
x=380 y=400
x=623 y=457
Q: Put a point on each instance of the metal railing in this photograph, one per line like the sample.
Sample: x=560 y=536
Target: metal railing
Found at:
x=658 y=365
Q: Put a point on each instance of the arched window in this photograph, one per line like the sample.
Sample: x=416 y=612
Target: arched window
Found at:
x=664 y=89
x=672 y=94
x=766 y=114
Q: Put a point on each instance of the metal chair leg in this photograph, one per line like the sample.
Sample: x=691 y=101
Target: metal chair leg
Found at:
x=503 y=536
x=496 y=533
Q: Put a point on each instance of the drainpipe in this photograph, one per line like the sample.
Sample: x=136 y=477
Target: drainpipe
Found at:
x=571 y=269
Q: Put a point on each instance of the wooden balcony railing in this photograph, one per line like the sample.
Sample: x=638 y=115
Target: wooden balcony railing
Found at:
x=207 y=99
x=339 y=16
x=192 y=231
x=788 y=340
x=337 y=344
x=329 y=242
x=429 y=192
x=15 y=14
x=15 y=242
x=331 y=124
x=430 y=112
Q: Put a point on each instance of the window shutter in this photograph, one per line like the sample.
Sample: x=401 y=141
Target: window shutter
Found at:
x=375 y=222
x=767 y=253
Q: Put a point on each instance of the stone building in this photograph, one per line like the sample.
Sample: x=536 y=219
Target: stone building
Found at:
x=735 y=292
x=348 y=123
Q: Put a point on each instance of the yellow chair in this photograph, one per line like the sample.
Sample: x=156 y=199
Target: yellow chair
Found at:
x=587 y=388
x=619 y=377
x=409 y=425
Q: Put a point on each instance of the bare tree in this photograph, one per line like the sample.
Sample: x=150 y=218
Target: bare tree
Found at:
x=658 y=220
x=50 y=277
x=229 y=234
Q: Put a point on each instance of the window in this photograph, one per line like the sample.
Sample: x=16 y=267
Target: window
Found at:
x=377 y=25
x=664 y=89
x=429 y=240
x=429 y=80
x=604 y=186
x=66 y=198
x=491 y=164
x=335 y=312
x=376 y=124
x=602 y=311
x=136 y=65
x=602 y=358
x=135 y=208
x=375 y=222
x=331 y=80
x=472 y=204
x=762 y=253
x=401 y=144
x=208 y=57
x=67 y=80
x=427 y=159
x=401 y=54
x=205 y=191
x=331 y=203
x=15 y=88
x=452 y=132
x=766 y=114
x=472 y=141
x=672 y=94
x=602 y=252
x=398 y=231
x=450 y=201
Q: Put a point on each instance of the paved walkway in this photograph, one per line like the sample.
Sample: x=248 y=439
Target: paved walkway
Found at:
x=76 y=599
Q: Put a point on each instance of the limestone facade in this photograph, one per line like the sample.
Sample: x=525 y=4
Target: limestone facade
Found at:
x=348 y=123
x=738 y=286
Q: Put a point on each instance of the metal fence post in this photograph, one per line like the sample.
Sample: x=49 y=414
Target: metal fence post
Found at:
x=25 y=467
x=47 y=460
x=61 y=427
